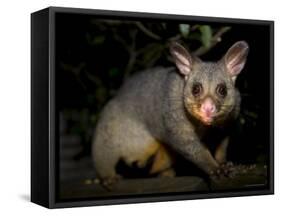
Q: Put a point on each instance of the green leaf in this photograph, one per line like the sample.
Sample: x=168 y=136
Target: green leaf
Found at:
x=153 y=54
x=113 y=72
x=184 y=30
x=95 y=40
x=99 y=39
x=206 y=35
x=93 y=119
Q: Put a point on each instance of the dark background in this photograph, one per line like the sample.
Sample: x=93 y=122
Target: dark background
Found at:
x=95 y=56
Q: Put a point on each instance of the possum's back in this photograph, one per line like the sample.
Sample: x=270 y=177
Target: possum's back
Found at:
x=142 y=83
x=142 y=94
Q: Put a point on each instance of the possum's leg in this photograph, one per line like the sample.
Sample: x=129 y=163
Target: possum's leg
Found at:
x=220 y=154
x=184 y=140
x=170 y=172
x=193 y=150
x=105 y=146
x=162 y=163
x=105 y=164
x=119 y=136
x=226 y=167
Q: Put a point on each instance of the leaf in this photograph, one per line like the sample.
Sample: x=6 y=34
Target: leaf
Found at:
x=99 y=39
x=184 y=30
x=206 y=35
x=153 y=54
x=164 y=25
x=195 y=36
x=95 y=40
x=113 y=72
x=94 y=118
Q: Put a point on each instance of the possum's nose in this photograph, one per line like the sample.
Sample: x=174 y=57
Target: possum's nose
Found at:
x=208 y=107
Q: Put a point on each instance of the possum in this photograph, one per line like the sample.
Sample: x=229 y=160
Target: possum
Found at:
x=171 y=108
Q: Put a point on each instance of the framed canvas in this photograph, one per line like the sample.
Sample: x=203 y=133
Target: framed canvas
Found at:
x=138 y=107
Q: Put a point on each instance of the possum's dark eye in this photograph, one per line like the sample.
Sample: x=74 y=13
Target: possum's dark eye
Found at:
x=221 y=90
x=197 y=89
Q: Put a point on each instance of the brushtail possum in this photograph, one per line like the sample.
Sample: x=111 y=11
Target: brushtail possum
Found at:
x=170 y=107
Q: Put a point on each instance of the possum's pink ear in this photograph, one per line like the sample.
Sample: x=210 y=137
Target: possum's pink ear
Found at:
x=235 y=58
x=182 y=58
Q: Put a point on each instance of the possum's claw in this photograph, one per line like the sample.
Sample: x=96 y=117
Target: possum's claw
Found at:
x=224 y=170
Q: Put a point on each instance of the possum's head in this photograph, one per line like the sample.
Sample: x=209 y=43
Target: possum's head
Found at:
x=209 y=92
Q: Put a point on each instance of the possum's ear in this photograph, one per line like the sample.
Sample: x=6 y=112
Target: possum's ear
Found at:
x=235 y=58
x=182 y=58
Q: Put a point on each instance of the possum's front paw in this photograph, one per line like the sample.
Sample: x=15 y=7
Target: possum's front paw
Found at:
x=225 y=170
x=109 y=182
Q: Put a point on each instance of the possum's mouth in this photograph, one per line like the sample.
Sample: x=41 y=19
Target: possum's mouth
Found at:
x=206 y=119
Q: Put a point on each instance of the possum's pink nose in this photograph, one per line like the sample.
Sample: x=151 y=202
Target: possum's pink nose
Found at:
x=208 y=108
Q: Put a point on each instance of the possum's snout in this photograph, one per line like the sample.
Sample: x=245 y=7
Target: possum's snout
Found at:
x=206 y=111
x=208 y=107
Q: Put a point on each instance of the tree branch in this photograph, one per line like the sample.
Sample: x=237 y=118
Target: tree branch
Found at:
x=147 y=31
x=216 y=39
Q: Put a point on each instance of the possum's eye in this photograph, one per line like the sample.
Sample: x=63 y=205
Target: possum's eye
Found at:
x=197 y=89
x=221 y=90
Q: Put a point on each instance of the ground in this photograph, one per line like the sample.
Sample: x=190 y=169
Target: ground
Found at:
x=78 y=179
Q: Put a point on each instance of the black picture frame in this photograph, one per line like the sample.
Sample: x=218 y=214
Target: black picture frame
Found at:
x=44 y=118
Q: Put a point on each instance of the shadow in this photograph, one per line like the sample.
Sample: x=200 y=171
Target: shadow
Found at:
x=25 y=197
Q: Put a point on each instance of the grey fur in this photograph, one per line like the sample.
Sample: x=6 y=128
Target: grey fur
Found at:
x=156 y=105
